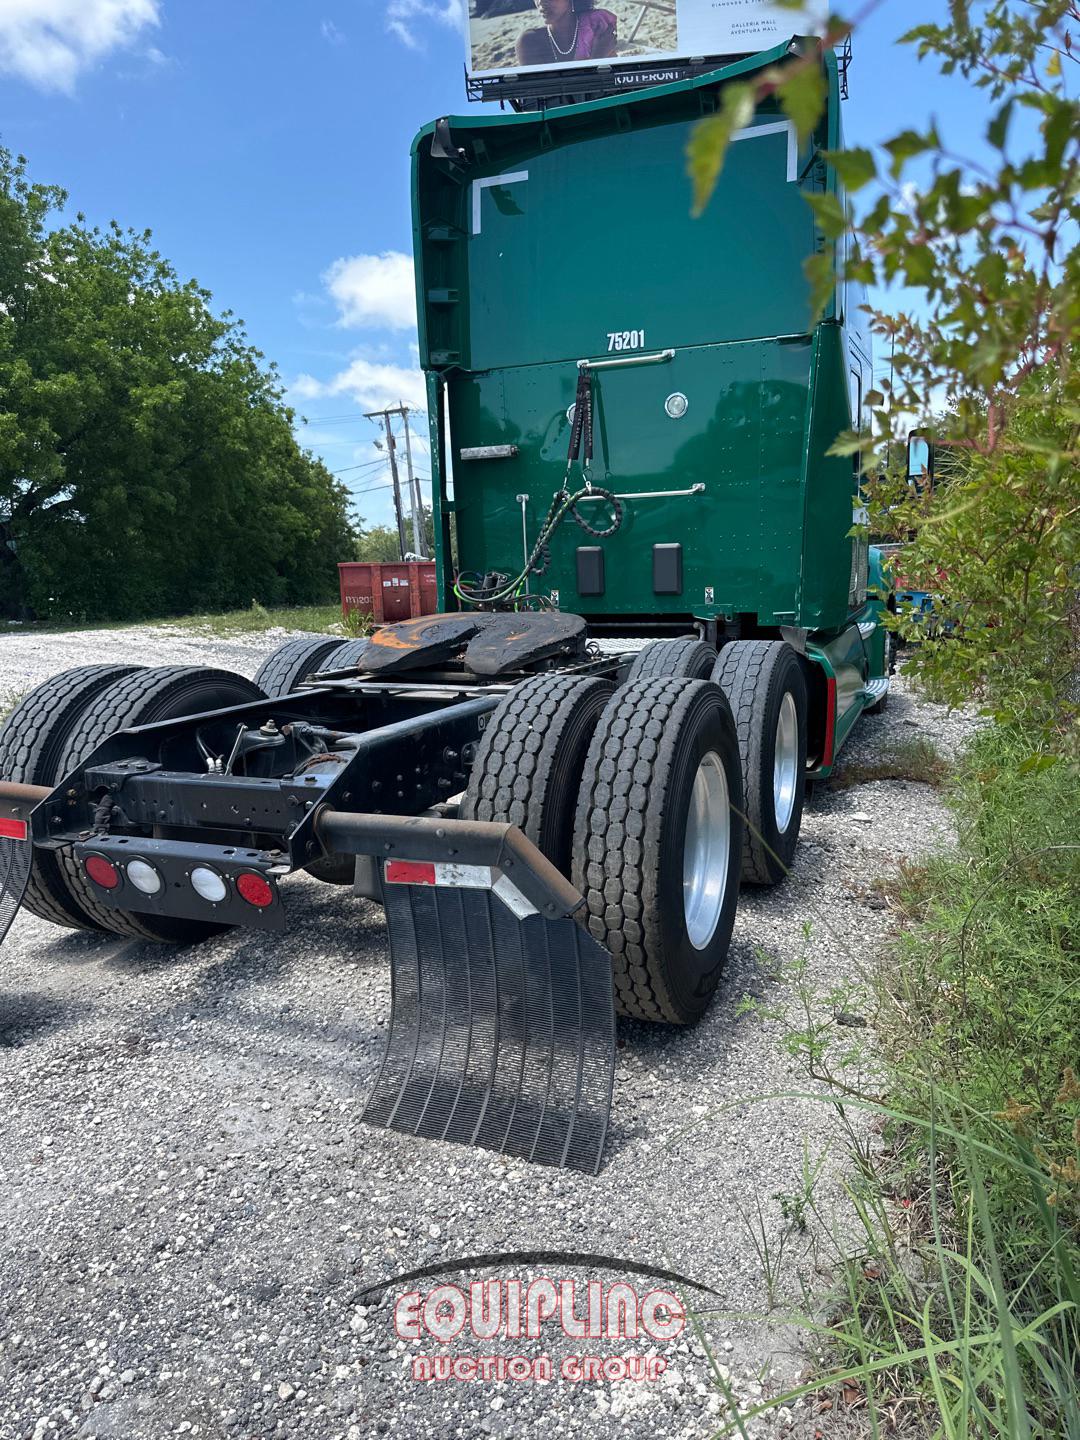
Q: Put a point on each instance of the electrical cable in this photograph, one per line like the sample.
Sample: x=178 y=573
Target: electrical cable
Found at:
x=563 y=503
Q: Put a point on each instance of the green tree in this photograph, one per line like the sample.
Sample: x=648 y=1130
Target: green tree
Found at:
x=992 y=252
x=380 y=542
x=147 y=461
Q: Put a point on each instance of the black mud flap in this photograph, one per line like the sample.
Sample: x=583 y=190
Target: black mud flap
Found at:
x=16 y=851
x=502 y=1029
x=15 y=858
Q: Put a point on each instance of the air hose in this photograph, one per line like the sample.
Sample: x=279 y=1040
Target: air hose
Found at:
x=563 y=503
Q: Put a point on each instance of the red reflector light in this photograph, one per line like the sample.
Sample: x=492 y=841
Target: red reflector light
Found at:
x=13 y=830
x=410 y=872
x=255 y=889
x=102 y=872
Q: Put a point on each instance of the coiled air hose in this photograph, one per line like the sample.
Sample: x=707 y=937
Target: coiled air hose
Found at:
x=563 y=503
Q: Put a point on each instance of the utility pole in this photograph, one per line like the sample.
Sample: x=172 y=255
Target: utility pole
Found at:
x=384 y=416
x=414 y=489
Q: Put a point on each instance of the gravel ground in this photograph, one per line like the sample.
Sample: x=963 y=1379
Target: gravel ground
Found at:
x=26 y=659
x=190 y=1210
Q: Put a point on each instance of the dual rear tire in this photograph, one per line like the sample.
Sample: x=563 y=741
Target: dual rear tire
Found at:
x=687 y=780
x=634 y=794
x=766 y=686
x=764 y=681
x=57 y=726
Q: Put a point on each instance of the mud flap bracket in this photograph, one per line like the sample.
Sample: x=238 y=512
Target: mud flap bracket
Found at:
x=502 y=1018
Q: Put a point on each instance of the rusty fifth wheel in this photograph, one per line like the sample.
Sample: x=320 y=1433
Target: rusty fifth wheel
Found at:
x=658 y=843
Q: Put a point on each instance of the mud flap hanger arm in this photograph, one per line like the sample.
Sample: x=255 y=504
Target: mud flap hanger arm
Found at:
x=459 y=842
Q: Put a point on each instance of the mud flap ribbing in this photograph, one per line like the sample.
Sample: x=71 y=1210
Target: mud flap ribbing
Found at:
x=15 y=858
x=502 y=1030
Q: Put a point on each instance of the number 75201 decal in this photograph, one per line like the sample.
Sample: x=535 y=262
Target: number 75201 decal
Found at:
x=625 y=340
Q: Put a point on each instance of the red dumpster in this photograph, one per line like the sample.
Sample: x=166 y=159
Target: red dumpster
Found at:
x=397 y=590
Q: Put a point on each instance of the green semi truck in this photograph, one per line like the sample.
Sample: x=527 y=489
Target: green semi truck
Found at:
x=662 y=622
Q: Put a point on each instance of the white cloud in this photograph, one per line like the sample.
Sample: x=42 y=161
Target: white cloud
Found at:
x=374 y=290
x=372 y=384
x=49 y=42
x=331 y=33
x=405 y=17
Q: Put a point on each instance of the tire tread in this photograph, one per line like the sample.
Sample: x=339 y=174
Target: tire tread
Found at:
x=281 y=672
x=621 y=809
x=741 y=672
x=32 y=745
x=688 y=658
x=521 y=757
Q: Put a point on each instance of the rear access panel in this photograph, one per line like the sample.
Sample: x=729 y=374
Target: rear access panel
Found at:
x=502 y=1028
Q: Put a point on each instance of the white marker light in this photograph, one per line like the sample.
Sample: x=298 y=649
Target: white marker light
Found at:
x=209 y=884
x=144 y=877
x=676 y=405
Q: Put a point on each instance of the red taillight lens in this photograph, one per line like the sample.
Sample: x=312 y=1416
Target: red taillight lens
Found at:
x=13 y=829
x=102 y=872
x=255 y=889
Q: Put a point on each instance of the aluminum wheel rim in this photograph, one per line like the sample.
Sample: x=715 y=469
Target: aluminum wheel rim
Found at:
x=785 y=762
x=706 y=849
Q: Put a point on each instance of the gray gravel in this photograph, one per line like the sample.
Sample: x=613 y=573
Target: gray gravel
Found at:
x=190 y=1210
x=27 y=657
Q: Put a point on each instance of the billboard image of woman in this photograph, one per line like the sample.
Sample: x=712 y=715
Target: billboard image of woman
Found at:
x=530 y=35
x=572 y=30
x=545 y=34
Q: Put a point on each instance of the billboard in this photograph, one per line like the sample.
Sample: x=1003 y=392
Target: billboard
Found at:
x=506 y=37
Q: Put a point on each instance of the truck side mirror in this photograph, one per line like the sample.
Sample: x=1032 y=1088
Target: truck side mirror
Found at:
x=920 y=461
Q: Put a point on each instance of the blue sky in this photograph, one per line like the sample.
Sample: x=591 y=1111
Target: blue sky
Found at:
x=266 y=143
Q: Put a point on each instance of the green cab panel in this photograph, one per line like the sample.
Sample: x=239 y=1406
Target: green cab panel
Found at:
x=585 y=248
x=738 y=450
x=542 y=240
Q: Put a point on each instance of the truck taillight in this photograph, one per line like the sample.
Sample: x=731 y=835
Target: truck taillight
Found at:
x=255 y=889
x=102 y=872
x=13 y=830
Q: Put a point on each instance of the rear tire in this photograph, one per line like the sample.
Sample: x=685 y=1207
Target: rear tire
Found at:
x=281 y=673
x=529 y=762
x=880 y=706
x=687 y=658
x=32 y=743
x=658 y=844
x=144 y=698
x=765 y=683
x=348 y=656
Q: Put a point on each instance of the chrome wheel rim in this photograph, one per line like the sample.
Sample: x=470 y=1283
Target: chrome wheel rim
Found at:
x=785 y=762
x=706 y=850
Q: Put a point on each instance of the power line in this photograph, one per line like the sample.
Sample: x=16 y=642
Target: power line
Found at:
x=340 y=419
x=367 y=465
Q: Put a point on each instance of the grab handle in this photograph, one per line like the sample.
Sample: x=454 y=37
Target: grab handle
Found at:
x=659 y=358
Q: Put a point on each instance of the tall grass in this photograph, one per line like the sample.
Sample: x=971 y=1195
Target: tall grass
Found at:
x=957 y=1312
